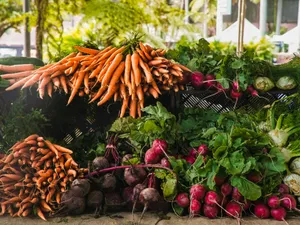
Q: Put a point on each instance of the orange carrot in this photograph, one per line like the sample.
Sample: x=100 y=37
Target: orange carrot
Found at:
x=40 y=213
x=98 y=94
x=19 y=83
x=49 y=89
x=86 y=83
x=153 y=92
x=97 y=70
x=45 y=206
x=142 y=55
x=77 y=85
x=127 y=70
x=116 y=96
x=123 y=93
x=72 y=173
x=58 y=197
x=63 y=149
x=31 y=137
x=139 y=110
x=108 y=54
x=87 y=50
x=145 y=51
x=113 y=55
x=16 y=68
x=110 y=92
x=113 y=67
x=183 y=67
x=124 y=107
x=44 y=82
x=135 y=67
x=154 y=85
x=132 y=80
x=16 y=75
x=63 y=82
x=146 y=70
x=140 y=95
x=133 y=105
x=52 y=147
x=56 y=81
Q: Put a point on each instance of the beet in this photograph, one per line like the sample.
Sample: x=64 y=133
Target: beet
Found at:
x=151 y=157
x=165 y=162
x=148 y=196
x=137 y=190
x=108 y=182
x=100 y=163
x=134 y=175
x=114 y=201
x=72 y=193
x=82 y=183
x=279 y=214
x=186 y=78
x=95 y=201
x=72 y=205
x=127 y=194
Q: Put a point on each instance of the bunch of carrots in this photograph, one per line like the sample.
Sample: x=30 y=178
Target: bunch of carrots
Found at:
x=127 y=73
x=33 y=176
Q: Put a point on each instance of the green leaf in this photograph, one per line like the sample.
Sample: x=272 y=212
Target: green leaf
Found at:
x=169 y=189
x=234 y=164
x=237 y=64
x=247 y=188
x=150 y=126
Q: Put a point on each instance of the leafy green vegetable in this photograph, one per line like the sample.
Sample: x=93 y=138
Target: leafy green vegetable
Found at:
x=247 y=188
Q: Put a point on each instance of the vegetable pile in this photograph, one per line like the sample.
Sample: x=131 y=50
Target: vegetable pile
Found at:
x=127 y=73
x=33 y=175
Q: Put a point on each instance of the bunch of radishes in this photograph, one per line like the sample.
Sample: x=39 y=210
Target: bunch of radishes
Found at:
x=211 y=204
x=157 y=152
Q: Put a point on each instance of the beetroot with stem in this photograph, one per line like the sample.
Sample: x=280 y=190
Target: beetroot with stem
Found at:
x=160 y=147
x=82 y=183
x=136 y=193
x=279 y=214
x=183 y=200
x=111 y=149
x=203 y=150
x=108 y=182
x=95 y=201
x=262 y=211
x=165 y=162
x=134 y=175
x=100 y=163
x=211 y=211
x=273 y=202
x=151 y=157
x=195 y=207
x=197 y=192
x=148 y=196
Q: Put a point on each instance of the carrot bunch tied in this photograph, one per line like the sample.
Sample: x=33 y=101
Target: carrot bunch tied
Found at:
x=126 y=73
x=34 y=175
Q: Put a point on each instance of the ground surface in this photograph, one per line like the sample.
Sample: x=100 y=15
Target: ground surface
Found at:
x=150 y=219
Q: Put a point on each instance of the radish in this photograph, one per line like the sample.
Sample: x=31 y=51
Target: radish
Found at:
x=273 y=202
x=210 y=211
x=283 y=189
x=165 y=162
x=210 y=81
x=235 y=86
x=195 y=208
x=183 y=200
x=151 y=157
x=226 y=189
x=190 y=159
x=212 y=198
x=262 y=211
x=236 y=195
x=279 y=214
x=219 y=180
x=193 y=153
x=289 y=202
x=197 y=79
x=246 y=205
x=197 y=192
x=159 y=146
x=233 y=209
x=203 y=150
x=254 y=177
x=148 y=196
x=235 y=95
x=254 y=93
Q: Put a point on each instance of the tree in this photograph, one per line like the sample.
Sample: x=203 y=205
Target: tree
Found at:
x=10 y=15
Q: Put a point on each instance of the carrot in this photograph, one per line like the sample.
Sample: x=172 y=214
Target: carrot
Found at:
x=153 y=53
x=12 y=176
x=98 y=94
x=86 y=82
x=63 y=82
x=41 y=92
x=47 y=174
x=145 y=51
x=58 y=197
x=16 y=68
x=73 y=68
x=9 y=158
x=110 y=92
x=113 y=55
x=123 y=92
x=19 y=83
x=145 y=88
x=147 y=72
x=139 y=110
x=154 y=85
x=116 y=96
x=68 y=163
x=44 y=82
x=47 y=156
x=49 y=89
x=183 y=67
x=11 y=200
x=113 y=69
x=153 y=92
x=40 y=213
x=56 y=81
x=174 y=72
x=133 y=107
x=127 y=70
x=132 y=83
x=140 y=95
x=45 y=206
x=58 y=72
x=77 y=85
x=176 y=88
x=62 y=149
x=149 y=48
x=68 y=57
x=3 y=209
x=181 y=87
x=141 y=54
x=162 y=70
x=135 y=67
x=16 y=75
x=108 y=54
x=87 y=50
x=124 y=107
x=97 y=70
x=155 y=62
x=27 y=212
x=72 y=172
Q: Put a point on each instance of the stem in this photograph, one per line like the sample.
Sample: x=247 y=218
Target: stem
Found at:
x=158 y=166
x=279 y=122
x=294 y=131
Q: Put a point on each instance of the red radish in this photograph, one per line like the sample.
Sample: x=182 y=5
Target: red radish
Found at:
x=283 y=189
x=193 y=152
x=254 y=177
x=151 y=157
x=246 y=205
x=233 y=209
x=226 y=189
x=190 y=159
x=212 y=198
x=289 y=202
x=197 y=192
x=273 y=202
x=160 y=146
x=186 y=78
x=250 y=88
x=236 y=195
x=262 y=211
x=183 y=200
x=203 y=150
x=219 y=180
x=197 y=79
x=210 y=81
x=211 y=211
x=219 y=88
x=225 y=200
x=235 y=94
x=278 y=214
x=235 y=86
x=165 y=162
x=195 y=207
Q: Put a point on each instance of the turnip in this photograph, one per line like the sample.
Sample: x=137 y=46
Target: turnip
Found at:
x=203 y=150
x=151 y=157
x=160 y=146
x=165 y=162
x=134 y=175
x=212 y=198
x=262 y=211
x=195 y=207
x=279 y=214
x=197 y=79
x=197 y=192
x=183 y=200
x=236 y=195
x=283 y=189
x=289 y=202
x=273 y=202
x=254 y=177
x=148 y=196
x=100 y=163
x=82 y=183
x=226 y=189
x=210 y=81
x=95 y=201
x=211 y=211
x=108 y=182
